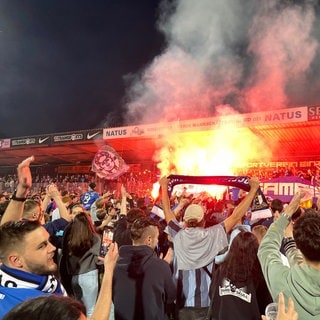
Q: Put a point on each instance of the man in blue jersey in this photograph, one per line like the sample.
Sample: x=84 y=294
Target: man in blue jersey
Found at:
x=89 y=197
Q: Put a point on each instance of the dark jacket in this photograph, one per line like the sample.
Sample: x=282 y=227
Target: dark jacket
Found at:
x=121 y=232
x=241 y=301
x=142 y=285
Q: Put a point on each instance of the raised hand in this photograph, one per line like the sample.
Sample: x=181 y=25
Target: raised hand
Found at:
x=24 y=176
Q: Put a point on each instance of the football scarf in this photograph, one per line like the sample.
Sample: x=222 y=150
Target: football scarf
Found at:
x=14 y=278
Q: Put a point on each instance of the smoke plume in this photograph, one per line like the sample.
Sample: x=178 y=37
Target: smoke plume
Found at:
x=225 y=57
x=250 y=55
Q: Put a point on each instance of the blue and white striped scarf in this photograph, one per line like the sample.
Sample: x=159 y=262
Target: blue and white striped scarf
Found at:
x=15 y=278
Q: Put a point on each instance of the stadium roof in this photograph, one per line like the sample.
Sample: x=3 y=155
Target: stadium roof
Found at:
x=295 y=132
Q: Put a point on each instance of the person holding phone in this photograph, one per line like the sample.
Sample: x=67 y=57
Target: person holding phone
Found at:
x=80 y=260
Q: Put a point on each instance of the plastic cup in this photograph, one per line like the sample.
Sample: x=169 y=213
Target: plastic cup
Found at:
x=271 y=311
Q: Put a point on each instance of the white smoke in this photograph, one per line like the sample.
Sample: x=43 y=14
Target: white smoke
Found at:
x=247 y=55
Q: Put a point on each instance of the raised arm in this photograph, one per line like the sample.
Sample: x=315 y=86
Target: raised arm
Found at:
x=169 y=215
x=106 y=220
x=45 y=202
x=274 y=272
x=293 y=254
x=56 y=196
x=182 y=203
x=14 y=210
x=123 y=208
x=103 y=305
x=243 y=206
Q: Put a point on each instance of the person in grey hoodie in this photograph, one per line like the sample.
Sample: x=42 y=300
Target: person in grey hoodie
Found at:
x=302 y=281
x=142 y=284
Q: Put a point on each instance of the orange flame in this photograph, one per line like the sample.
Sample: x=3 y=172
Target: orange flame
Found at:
x=155 y=190
x=221 y=151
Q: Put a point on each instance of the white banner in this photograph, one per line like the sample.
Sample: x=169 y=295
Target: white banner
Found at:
x=288 y=115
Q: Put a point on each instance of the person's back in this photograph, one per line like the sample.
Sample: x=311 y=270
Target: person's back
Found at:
x=239 y=287
x=122 y=235
x=78 y=266
x=301 y=282
x=142 y=283
x=89 y=197
x=195 y=248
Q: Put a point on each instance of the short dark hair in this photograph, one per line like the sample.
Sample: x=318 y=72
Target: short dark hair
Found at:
x=12 y=234
x=306 y=232
x=139 y=225
x=30 y=204
x=92 y=185
x=134 y=214
x=101 y=214
x=296 y=214
x=51 y=307
x=276 y=205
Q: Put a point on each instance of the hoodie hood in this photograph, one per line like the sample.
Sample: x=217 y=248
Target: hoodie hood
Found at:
x=133 y=259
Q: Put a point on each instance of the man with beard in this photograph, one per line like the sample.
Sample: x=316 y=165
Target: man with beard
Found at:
x=26 y=253
x=27 y=264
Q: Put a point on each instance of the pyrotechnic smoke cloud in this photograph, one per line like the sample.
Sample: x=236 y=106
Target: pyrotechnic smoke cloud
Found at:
x=225 y=57
x=250 y=55
x=283 y=47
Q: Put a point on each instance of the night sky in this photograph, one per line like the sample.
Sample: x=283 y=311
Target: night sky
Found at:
x=68 y=65
x=63 y=64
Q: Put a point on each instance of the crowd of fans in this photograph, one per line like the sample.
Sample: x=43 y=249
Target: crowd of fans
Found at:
x=311 y=174
x=141 y=183
x=181 y=256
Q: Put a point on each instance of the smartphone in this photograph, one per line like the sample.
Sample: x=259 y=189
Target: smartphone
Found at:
x=107 y=238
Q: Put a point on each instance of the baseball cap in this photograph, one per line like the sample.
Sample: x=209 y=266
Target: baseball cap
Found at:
x=195 y=212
